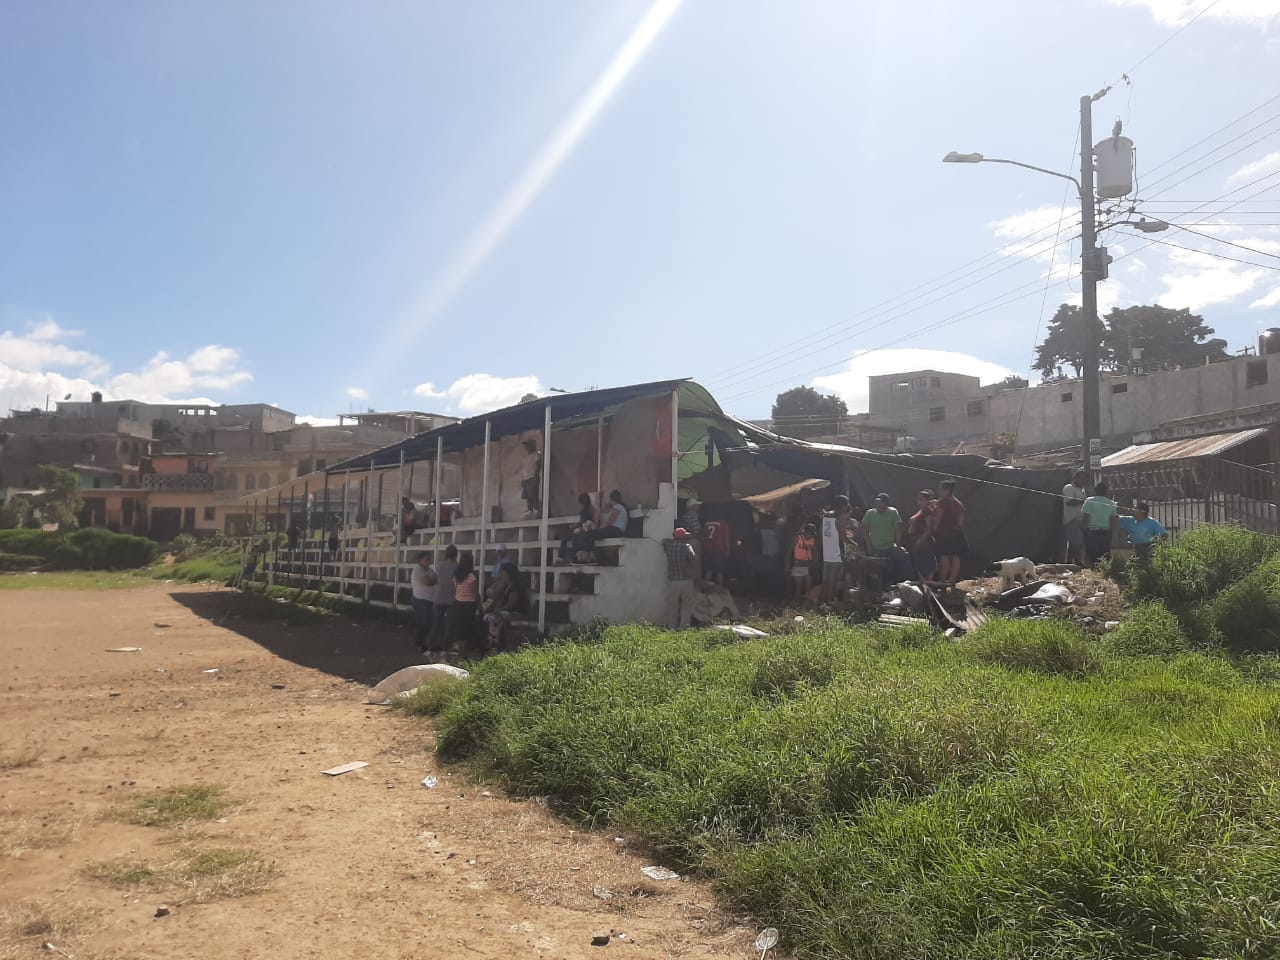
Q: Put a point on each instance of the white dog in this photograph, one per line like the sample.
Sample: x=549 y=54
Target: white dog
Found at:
x=1019 y=569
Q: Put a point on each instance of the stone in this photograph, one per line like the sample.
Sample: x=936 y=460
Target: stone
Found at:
x=162 y=910
x=601 y=938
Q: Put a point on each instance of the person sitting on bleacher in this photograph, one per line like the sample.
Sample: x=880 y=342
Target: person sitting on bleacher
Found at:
x=613 y=523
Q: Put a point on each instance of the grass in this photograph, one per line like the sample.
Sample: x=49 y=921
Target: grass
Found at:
x=431 y=697
x=20 y=832
x=198 y=875
x=1026 y=791
x=219 y=565
x=26 y=924
x=173 y=806
x=26 y=754
x=71 y=580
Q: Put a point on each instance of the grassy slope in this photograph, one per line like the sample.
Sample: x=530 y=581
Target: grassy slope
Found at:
x=1025 y=792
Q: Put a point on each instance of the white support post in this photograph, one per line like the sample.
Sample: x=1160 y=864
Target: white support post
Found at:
x=395 y=584
x=306 y=525
x=435 y=499
x=481 y=563
x=542 y=525
x=342 y=539
x=600 y=459
x=368 y=533
x=675 y=445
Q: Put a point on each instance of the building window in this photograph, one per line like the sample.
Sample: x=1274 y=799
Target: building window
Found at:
x=1256 y=374
x=902 y=387
x=976 y=408
x=935 y=383
x=210 y=514
x=248 y=482
x=1119 y=388
x=1066 y=398
x=919 y=383
x=937 y=414
x=264 y=481
x=231 y=481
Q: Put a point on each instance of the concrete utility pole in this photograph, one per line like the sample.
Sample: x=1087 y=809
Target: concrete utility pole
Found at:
x=1093 y=267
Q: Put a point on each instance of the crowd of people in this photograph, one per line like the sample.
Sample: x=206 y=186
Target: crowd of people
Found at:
x=450 y=616
x=1091 y=525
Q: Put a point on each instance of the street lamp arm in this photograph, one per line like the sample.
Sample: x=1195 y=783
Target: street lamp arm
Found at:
x=954 y=157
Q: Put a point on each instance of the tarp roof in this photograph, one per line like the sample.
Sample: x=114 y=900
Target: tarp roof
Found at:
x=529 y=418
x=1166 y=450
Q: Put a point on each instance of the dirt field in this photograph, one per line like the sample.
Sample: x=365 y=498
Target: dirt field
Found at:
x=366 y=865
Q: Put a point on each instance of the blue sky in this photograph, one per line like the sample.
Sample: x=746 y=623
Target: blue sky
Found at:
x=443 y=206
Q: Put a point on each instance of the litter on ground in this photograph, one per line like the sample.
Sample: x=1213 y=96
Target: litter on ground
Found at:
x=411 y=678
x=659 y=873
x=345 y=768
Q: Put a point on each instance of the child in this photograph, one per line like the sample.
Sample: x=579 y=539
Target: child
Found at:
x=802 y=559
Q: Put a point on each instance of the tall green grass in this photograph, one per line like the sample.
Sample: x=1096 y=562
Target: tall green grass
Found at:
x=1024 y=792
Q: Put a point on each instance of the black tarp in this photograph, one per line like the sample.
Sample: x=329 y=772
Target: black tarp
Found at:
x=1009 y=511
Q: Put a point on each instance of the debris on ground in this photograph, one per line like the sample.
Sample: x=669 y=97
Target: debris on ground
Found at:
x=601 y=938
x=742 y=630
x=162 y=910
x=344 y=768
x=767 y=940
x=124 y=649
x=411 y=678
x=659 y=873
x=430 y=781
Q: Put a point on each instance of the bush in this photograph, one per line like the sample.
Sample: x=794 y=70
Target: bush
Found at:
x=1246 y=614
x=1043 y=646
x=1201 y=562
x=90 y=549
x=15 y=562
x=1149 y=630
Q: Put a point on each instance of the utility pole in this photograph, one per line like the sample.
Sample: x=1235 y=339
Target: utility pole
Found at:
x=1090 y=261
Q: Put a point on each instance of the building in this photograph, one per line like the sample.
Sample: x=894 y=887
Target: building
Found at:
x=940 y=411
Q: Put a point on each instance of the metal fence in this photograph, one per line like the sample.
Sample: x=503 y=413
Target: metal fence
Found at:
x=1186 y=493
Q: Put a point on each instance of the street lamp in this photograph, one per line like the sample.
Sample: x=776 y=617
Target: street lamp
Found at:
x=1093 y=267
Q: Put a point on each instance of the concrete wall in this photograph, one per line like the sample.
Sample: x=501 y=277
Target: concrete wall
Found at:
x=1050 y=416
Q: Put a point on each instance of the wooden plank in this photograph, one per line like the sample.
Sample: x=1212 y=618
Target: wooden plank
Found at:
x=345 y=768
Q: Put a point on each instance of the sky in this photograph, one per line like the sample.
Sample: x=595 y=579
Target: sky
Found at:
x=335 y=207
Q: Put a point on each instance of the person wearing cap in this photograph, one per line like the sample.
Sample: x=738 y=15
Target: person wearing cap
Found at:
x=682 y=568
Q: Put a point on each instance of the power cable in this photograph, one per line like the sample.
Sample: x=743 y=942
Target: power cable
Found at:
x=1218 y=256
x=1169 y=39
x=1229 y=243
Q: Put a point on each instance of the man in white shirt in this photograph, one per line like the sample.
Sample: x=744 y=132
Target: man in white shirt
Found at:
x=1073 y=497
x=424 y=584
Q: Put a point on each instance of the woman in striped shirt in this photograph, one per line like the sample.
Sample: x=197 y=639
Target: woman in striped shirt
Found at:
x=466 y=594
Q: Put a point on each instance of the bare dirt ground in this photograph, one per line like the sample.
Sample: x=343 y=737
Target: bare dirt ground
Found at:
x=367 y=865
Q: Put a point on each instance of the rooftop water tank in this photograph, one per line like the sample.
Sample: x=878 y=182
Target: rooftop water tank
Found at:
x=1269 y=341
x=1115 y=167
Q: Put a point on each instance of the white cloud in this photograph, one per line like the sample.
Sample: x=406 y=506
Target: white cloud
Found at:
x=318 y=421
x=1257 y=168
x=1271 y=299
x=1197 y=280
x=1176 y=13
x=38 y=363
x=851 y=384
x=478 y=392
x=357 y=393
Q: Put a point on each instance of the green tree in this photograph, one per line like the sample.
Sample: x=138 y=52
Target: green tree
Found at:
x=15 y=514
x=1164 y=335
x=60 y=501
x=804 y=412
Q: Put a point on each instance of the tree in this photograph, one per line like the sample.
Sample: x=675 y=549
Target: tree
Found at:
x=804 y=412
x=1166 y=337
x=529 y=398
x=60 y=500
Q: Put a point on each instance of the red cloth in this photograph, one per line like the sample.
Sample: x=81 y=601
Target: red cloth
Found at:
x=715 y=536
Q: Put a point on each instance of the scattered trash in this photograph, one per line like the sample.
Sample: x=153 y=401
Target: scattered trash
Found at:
x=277 y=686
x=52 y=949
x=912 y=597
x=767 y=940
x=602 y=893
x=659 y=873
x=622 y=937
x=411 y=678
x=485 y=793
x=117 y=650
x=163 y=626
x=114 y=693
x=1053 y=593
x=430 y=781
x=1110 y=625
x=162 y=910
x=210 y=670
x=798 y=618
x=602 y=938
x=344 y=768
x=741 y=629
x=541 y=801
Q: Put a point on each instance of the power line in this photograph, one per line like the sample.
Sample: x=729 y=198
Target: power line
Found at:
x=1219 y=256
x=1229 y=243
x=1169 y=39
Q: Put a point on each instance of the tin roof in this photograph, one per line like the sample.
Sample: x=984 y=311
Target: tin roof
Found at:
x=1209 y=446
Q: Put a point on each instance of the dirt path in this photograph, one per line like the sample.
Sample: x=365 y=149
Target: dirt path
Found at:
x=369 y=865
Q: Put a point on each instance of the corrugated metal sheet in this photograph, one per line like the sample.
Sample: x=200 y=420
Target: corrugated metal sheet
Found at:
x=1209 y=446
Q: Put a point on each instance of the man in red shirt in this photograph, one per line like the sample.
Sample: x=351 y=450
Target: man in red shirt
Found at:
x=716 y=537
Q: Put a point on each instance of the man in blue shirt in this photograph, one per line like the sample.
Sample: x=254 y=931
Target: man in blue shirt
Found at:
x=1143 y=529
